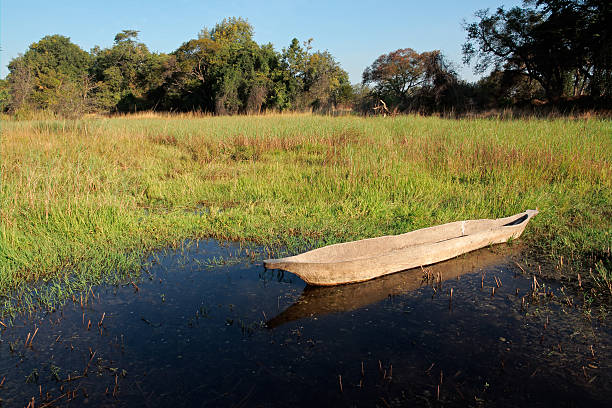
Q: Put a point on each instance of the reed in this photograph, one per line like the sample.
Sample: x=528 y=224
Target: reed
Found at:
x=84 y=197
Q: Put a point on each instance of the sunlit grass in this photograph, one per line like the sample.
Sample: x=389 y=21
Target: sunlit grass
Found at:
x=82 y=198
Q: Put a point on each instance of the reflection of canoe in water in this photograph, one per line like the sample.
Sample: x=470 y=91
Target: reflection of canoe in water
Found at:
x=321 y=300
x=367 y=259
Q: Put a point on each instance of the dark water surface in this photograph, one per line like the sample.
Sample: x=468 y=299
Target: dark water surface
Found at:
x=204 y=329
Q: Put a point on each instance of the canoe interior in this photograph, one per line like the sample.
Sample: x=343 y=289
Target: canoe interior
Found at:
x=368 y=248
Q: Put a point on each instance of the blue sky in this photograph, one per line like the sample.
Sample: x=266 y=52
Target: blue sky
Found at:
x=355 y=32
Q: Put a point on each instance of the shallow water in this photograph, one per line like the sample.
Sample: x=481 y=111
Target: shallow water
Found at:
x=206 y=329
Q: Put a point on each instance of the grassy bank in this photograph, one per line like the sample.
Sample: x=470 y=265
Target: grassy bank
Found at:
x=81 y=198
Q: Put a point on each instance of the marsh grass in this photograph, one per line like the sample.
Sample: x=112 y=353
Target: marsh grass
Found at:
x=84 y=198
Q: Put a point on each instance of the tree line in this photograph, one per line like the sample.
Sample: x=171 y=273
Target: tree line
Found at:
x=223 y=71
x=552 y=52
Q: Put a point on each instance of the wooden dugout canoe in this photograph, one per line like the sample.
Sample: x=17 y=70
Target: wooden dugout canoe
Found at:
x=366 y=259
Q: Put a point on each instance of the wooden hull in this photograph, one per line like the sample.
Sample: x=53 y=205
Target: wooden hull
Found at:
x=371 y=258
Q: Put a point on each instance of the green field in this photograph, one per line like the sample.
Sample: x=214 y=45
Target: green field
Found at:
x=81 y=199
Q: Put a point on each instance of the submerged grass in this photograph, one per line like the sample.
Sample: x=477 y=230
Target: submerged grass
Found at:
x=84 y=197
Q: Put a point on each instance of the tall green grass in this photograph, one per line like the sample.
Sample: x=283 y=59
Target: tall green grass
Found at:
x=82 y=198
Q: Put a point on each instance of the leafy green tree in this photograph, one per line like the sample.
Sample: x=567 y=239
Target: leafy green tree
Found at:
x=293 y=62
x=50 y=75
x=125 y=73
x=310 y=80
x=325 y=83
x=224 y=70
